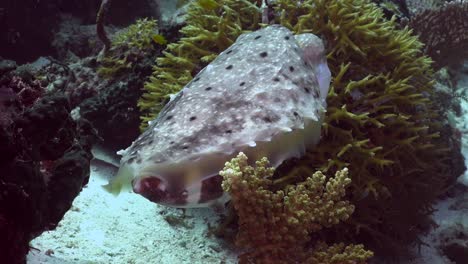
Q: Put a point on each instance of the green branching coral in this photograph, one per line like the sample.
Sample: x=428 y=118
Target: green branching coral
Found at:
x=274 y=226
x=129 y=46
x=380 y=121
x=138 y=35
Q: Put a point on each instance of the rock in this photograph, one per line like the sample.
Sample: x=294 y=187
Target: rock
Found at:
x=6 y=66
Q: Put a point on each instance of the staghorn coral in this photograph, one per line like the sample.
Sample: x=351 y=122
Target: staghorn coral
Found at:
x=274 y=226
x=444 y=31
x=380 y=121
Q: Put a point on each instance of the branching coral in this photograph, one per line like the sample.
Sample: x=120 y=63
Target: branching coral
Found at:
x=138 y=35
x=444 y=31
x=276 y=225
x=128 y=47
x=380 y=121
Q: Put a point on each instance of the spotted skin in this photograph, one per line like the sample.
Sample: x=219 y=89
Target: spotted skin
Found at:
x=264 y=95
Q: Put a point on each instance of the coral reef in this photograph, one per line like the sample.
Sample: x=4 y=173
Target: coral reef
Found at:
x=44 y=159
x=109 y=104
x=444 y=31
x=105 y=90
x=275 y=225
x=380 y=121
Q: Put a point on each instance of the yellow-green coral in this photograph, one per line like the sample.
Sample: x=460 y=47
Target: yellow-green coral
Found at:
x=380 y=121
x=138 y=35
x=129 y=46
x=274 y=226
x=338 y=254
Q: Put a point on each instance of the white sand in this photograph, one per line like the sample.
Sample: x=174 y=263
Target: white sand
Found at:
x=101 y=228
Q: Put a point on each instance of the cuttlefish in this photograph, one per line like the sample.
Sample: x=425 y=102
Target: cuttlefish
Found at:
x=264 y=95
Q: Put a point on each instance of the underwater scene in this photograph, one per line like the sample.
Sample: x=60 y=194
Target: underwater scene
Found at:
x=233 y=131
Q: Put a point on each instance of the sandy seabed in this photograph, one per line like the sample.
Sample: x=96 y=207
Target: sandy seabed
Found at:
x=102 y=228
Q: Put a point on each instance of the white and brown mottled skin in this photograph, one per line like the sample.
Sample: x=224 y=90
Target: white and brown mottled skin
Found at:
x=264 y=96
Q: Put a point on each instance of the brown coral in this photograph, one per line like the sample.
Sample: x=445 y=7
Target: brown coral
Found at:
x=275 y=225
x=444 y=31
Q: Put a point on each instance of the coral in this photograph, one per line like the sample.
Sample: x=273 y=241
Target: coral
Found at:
x=380 y=123
x=138 y=35
x=339 y=254
x=416 y=6
x=109 y=104
x=275 y=225
x=101 y=91
x=129 y=47
x=444 y=31
x=397 y=8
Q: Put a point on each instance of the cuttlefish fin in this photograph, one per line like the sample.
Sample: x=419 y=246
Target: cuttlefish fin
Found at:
x=122 y=181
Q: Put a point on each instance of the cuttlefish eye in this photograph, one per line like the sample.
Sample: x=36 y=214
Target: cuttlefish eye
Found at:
x=152 y=188
x=160 y=191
